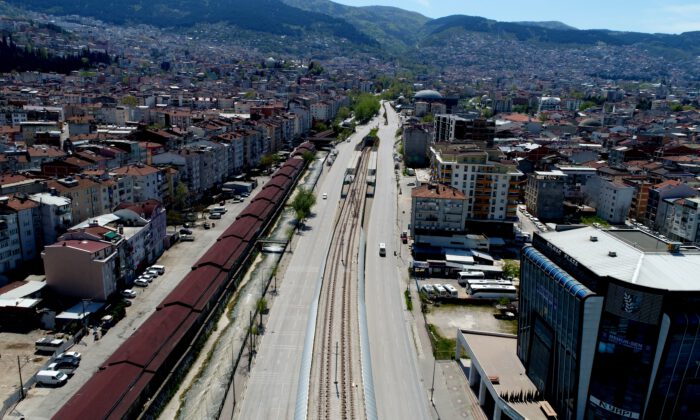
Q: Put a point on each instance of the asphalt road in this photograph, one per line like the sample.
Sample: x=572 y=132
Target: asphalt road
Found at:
x=42 y=403
x=398 y=389
x=271 y=388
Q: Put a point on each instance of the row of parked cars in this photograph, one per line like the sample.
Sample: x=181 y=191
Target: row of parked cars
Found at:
x=60 y=369
x=144 y=279
x=535 y=220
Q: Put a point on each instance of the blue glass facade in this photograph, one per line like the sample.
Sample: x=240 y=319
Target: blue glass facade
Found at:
x=550 y=329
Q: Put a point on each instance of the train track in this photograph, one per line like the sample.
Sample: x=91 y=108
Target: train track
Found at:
x=337 y=364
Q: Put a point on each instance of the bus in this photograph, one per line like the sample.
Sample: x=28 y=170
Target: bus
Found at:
x=48 y=345
x=451 y=290
x=485 y=281
x=464 y=276
x=492 y=291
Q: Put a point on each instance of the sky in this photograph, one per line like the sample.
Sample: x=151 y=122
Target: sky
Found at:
x=664 y=16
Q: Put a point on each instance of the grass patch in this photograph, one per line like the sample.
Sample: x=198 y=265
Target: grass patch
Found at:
x=590 y=220
x=409 y=300
x=443 y=348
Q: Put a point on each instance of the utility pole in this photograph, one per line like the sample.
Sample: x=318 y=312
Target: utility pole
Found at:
x=21 y=383
x=432 y=387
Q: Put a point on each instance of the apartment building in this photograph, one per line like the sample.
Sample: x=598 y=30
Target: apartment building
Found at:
x=456 y=129
x=491 y=188
x=612 y=199
x=544 y=194
x=81 y=268
x=146 y=181
x=55 y=214
x=437 y=208
x=682 y=221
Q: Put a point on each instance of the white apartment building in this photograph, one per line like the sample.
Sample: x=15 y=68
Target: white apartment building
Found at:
x=612 y=199
x=491 y=188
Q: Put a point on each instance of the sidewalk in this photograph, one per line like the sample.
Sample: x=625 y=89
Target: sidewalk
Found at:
x=451 y=398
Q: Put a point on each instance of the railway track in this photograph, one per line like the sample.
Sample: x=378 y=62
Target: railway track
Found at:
x=337 y=365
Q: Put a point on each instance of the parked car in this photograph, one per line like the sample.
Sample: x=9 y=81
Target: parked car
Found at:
x=206 y=225
x=159 y=268
x=215 y=216
x=64 y=367
x=185 y=231
x=129 y=293
x=69 y=355
x=187 y=238
x=51 y=377
x=325 y=196
x=153 y=273
x=141 y=283
x=127 y=302
x=147 y=277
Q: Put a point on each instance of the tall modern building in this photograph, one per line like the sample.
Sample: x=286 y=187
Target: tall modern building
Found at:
x=610 y=324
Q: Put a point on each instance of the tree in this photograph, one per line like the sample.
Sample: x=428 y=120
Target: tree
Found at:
x=365 y=107
x=343 y=113
x=428 y=118
x=302 y=204
x=268 y=160
x=511 y=269
x=130 y=100
x=308 y=156
x=180 y=196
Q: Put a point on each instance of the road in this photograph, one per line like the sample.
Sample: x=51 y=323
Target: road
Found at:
x=271 y=388
x=42 y=403
x=398 y=389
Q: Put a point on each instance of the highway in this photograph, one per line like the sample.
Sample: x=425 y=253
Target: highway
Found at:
x=398 y=389
x=271 y=389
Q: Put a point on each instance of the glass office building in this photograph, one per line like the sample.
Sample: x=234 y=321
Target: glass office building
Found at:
x=610 y=324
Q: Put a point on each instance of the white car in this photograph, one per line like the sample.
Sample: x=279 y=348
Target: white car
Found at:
x=145 y=276
x=140 y=283
x=69 y=355
x=325 y=196
x=129 y=293
x=152 y=273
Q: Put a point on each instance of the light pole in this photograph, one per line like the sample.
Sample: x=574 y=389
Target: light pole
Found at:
x=432 y=386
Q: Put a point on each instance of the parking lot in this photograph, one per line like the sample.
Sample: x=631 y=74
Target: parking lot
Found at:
x=43 y=402
x=449 y=318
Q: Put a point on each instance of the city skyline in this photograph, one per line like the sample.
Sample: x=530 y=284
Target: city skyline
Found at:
x=647 y=16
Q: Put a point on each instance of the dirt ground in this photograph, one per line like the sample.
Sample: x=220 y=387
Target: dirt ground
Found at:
x=22 y=345
x=448 y=318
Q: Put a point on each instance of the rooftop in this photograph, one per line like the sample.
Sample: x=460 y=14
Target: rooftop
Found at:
x=631 y=256
x=496 y=354
x=437 y=191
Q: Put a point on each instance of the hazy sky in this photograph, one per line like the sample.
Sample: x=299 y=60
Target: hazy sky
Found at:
x=668 y=16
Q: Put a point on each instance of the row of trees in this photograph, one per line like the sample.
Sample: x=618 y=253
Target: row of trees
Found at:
x=365 y=106
x=15 y=58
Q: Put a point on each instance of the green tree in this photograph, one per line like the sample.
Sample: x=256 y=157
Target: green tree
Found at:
x=428 y=118
x=585 y=105
x=302 y=204
x=266 y=161
x=365 y=107
x=343 y=113
x=130 y=100
x=308 y=156
x=511 y=269
x=180 y=196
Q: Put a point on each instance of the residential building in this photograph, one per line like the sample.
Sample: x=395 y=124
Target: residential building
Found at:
x=455 y=129
x=146 y=181
x=660 y=192
x=85 y=196
x=28 y=215
x=55 y=214
x=437 y=208
x=609 y=324
x=612 y=199
x=416 y=144
x=682 y=219
x=544 y=194
x=491 y=187
x=10 y=245
x=81 y=268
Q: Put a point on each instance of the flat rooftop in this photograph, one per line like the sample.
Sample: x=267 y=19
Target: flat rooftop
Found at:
x=496 y=354
x=632 y=256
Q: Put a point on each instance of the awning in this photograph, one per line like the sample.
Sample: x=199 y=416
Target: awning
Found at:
x=76 y=312
x=461 y=256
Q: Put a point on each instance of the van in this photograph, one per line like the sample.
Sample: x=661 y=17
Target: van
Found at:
x=440 y=290
x=221 y=210
x=428 y=289
x=382 y=249
x=51 y=377
x=159 y=268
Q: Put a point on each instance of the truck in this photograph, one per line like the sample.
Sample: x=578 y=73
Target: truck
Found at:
x=238 y=187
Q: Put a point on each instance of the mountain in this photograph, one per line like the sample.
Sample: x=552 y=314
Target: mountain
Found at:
x=566 y=37
x=391 y=26
x=271 y=16
x=551 y=24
